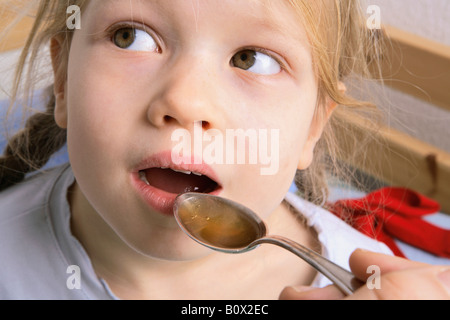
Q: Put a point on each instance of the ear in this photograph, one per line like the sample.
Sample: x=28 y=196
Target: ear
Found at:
x=59 y=88
x=317 y=126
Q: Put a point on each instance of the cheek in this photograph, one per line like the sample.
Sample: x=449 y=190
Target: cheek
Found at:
x=294 y=124
x=299 y=116
x=268 y=182
x=294 y=120
x=102 y=101
x=108 y=86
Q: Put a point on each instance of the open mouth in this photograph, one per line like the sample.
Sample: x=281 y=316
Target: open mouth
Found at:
x=177 y=181
x=159 y=180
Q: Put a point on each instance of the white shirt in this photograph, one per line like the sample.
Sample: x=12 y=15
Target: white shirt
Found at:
x=338 y=240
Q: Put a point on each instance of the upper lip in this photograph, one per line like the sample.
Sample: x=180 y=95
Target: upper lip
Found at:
x=164 y=160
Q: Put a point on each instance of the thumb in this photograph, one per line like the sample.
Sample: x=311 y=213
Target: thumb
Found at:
x=311 y=293
x=361 y=261
x=398 y=278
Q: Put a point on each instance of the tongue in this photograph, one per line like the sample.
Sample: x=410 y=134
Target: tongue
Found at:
x=175 y=182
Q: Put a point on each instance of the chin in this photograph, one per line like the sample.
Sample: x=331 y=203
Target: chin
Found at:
x=176 y=247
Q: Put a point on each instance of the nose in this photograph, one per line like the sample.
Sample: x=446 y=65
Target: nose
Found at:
x=187 y=94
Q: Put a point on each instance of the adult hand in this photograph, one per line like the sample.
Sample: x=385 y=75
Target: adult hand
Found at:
x=400 y=279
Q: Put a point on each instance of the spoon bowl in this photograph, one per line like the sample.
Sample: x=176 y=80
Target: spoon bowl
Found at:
x=226 y=226
x=217 y=223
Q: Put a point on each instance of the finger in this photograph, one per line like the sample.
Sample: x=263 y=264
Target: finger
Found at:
x=423 y=283
x=361 y=260
x=310 y=293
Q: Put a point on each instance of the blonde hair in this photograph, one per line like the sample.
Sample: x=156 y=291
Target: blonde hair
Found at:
x=31 y=148
x=341 y=46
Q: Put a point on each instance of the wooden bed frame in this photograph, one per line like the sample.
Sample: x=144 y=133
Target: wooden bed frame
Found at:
x=416 y=66
x=421 y=68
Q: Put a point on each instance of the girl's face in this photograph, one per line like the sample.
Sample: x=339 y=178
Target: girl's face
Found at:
x=141 y=72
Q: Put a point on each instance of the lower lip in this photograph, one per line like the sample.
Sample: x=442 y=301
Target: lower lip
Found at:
x=158 y=199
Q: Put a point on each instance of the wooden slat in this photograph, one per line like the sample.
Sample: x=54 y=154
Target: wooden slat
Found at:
x=16 y=37
x=417 y=66
x=401 y=160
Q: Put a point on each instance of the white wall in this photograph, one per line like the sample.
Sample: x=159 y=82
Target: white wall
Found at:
x=7 y=63
x=426 y=18
x=429 y=19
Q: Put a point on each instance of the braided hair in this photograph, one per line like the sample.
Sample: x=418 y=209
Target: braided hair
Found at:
x=31 y=148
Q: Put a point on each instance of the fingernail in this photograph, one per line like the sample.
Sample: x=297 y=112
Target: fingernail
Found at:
x=302 y=288
x=444 y=278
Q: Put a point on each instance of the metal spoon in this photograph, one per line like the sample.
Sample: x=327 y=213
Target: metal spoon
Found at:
x=227 y=226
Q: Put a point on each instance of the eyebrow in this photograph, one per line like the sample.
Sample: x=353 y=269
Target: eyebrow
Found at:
x=268 y=23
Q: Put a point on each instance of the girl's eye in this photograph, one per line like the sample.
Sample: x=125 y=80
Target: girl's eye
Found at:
x=134 y=40
x=256 y=62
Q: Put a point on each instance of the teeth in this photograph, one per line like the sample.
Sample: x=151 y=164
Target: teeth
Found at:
x=182 y=171
x=143 y=177
x=188 y=172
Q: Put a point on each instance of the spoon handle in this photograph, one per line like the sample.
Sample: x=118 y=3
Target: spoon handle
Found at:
x=342 y=278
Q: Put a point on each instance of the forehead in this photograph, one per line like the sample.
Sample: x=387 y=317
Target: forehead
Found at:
x=278 y=15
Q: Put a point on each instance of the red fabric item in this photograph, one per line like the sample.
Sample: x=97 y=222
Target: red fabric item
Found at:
x=396 y=213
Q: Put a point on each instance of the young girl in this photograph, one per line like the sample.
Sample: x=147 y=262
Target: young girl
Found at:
x=132 y=74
